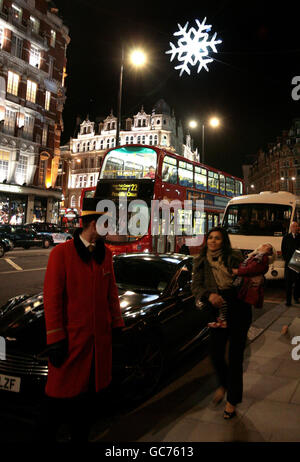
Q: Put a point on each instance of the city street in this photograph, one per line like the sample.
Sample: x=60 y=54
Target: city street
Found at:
x=22 y=271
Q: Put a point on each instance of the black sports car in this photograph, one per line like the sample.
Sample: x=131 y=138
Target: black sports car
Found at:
x=23 y=236
x=161 y=322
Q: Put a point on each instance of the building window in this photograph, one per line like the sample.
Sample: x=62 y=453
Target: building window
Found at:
x=17 y=13
x=43 y=171
x=47 y=100
x=4 y=159
x=17 y=46
x=52 y=38
x=45 y=135
x=1 y=37
x=35 y=24
x=51 y=66
x=73 y=202
x=28 y=127
x=91 y=181
x=13 y=83
x=31 y=91
x=34 y=57
x=10 y=121
x=21 y=169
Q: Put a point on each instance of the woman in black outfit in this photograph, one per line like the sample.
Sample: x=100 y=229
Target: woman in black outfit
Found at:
x=212 y=283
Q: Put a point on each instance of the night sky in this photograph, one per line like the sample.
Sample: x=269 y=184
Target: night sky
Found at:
x=248 y=85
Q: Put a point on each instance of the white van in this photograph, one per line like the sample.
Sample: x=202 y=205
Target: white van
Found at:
x=258 y=218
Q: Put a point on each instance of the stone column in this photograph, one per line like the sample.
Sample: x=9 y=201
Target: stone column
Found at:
x=30 y=208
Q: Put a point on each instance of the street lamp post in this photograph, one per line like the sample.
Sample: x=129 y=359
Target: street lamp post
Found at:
x=213 y=122
x=137 y=58
x=120 y=97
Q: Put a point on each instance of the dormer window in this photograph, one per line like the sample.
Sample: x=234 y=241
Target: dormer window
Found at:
x=17 y=13
x=108 y=126
x=144 y=122
x=158 y=122
x=34 y=25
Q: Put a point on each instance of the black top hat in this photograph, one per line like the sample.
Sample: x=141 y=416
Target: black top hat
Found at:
x=89 y=207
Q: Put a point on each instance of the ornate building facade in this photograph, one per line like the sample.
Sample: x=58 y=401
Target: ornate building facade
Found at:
x=33 y=42
x=278 y=169
x=81 y=157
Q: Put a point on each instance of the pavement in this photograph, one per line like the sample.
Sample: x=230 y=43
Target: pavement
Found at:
x=183 y=411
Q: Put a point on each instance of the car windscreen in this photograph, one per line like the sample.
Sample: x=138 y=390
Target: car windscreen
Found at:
x=143 y=275
x=257 y=219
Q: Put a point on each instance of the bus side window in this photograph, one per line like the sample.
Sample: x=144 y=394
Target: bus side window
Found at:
x=297 y=215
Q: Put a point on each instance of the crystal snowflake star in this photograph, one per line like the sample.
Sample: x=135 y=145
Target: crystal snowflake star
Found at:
x=193 y=47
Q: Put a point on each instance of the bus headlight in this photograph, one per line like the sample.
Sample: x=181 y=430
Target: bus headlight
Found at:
x=274 y=273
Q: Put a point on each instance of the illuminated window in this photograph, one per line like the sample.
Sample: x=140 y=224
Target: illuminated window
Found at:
x=10 y=121
x=4 y=159
x=34 y=56
x=28 y=126
x=213 y=182
x=17 y=13
x=31 y=91
x=34 y=24
x=52 y=38
x=201 y=178
x=185 y=174
x=21 y=170
x=13 y=83
x=169 y=170
x=47 y=100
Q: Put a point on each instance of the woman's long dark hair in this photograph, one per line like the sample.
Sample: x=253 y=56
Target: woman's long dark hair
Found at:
x=226 y=247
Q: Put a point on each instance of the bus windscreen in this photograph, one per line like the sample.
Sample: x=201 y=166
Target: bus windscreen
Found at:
x=257 y=219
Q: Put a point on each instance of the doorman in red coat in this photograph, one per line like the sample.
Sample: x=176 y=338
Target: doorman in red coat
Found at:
x=81 y=309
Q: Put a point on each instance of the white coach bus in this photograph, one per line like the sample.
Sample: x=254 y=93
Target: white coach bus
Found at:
x=258 y=218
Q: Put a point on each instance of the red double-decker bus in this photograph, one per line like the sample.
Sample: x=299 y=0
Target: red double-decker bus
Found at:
x=151 y=173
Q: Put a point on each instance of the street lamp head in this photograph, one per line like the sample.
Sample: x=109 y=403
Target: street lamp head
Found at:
x=193 y=124
x=214 y=122
x=138 y=58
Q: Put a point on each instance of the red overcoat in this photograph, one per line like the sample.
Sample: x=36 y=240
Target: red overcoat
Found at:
x=252 y=290
x=81 y=303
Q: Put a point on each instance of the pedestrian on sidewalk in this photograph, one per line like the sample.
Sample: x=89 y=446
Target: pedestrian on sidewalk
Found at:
x=291 y=242
x=213 y=284
x=81 y=310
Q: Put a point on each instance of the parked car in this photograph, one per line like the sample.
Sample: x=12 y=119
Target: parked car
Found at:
x=7 y=243
x=53 y=233
x=161 y=323
x=23 y=236
x=2 y=248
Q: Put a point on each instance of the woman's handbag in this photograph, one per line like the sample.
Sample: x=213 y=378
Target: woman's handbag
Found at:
x=294 y=263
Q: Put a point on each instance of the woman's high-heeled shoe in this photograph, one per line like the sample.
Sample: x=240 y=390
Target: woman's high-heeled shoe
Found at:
x=229 y=415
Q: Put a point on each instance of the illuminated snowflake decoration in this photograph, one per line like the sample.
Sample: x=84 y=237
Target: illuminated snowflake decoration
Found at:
x=193 y=47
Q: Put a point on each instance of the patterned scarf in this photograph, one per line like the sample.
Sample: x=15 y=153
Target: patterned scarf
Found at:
x=221 y=274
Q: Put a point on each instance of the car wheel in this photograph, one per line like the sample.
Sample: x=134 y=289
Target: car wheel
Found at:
x=46 y=244
x=144 y=372
x=2 y=251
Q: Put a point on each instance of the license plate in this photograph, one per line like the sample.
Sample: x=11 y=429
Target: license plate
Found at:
x=9 y=383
